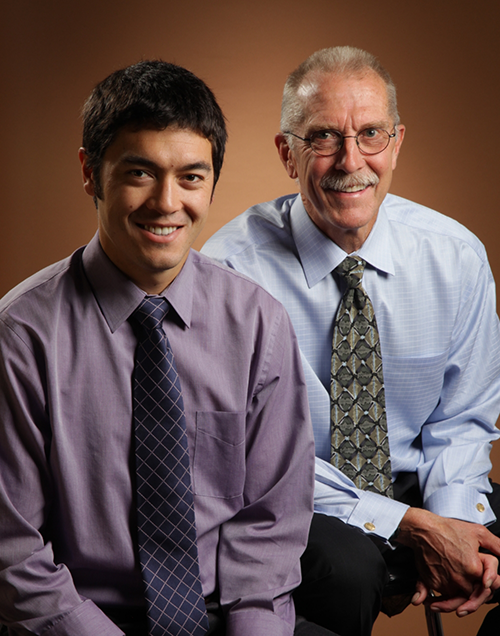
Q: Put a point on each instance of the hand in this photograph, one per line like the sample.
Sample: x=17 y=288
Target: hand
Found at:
x=449 y=562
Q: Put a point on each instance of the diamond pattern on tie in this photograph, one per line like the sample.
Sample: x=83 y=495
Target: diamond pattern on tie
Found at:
x=165 y=511
x=360 y=445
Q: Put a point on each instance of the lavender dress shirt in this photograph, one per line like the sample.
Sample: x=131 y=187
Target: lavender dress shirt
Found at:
x=67 y=516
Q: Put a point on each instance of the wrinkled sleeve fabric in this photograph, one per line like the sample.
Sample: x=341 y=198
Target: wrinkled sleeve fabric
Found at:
x=259 y=548
x=457 y=437
x=36 y=594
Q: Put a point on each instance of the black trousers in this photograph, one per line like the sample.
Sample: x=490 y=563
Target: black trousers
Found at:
x=344 y=572
x=133 y=622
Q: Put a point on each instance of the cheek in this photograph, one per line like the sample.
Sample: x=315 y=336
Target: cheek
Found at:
x=382 y=168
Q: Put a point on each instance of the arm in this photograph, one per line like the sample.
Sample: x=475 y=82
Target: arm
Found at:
x=260 y=546
x=457 y=437
x=36 y=594
x=336 y=495
x=456 y=441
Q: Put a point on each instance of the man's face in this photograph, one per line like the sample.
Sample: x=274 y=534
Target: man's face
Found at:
x=156 y=191
x=342 y=193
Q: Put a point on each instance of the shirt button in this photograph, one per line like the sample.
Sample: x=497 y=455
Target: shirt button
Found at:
x=369 y=526
x=480 y=507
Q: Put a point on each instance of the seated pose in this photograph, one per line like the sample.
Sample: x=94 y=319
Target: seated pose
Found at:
x=394 y=309
x=156 y=453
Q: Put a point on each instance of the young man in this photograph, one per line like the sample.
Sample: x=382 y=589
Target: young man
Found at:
x=130 y=503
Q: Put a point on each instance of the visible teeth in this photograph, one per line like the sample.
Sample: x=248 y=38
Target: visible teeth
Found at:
x=160 y=231
x=354 y=188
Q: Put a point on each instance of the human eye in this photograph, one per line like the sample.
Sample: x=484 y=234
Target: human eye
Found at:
x=325 y=135
x=138 y=173
x=193 y=180
x=326 y=142
x=372 y=134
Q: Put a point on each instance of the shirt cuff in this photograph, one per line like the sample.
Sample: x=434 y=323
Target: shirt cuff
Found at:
x=461 y=502
x=85 y=620
x=377 y=515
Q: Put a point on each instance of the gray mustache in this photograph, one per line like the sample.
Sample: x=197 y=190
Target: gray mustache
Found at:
x=343 y=181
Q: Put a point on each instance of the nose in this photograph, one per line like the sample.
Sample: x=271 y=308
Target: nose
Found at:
x=165 y=197
x=349 y=158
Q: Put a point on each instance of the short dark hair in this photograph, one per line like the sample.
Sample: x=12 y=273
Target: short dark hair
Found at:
x=150 y=94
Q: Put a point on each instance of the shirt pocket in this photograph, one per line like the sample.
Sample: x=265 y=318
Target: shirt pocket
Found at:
x=219 y=454
x=414 y=387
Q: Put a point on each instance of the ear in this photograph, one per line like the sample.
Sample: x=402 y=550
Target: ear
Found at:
x=286 y=155
x=397 y=146
x=87 y=173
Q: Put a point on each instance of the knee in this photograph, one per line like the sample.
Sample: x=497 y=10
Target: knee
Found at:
x=343 y=576
x=342 y=556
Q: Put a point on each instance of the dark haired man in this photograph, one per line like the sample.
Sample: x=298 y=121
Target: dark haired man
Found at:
x=129 y=502
x=394 y=308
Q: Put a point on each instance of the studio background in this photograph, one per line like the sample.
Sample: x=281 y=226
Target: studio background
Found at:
x=443 y=56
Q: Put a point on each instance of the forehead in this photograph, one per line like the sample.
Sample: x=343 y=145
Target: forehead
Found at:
x=345 y=101
x=159 y=145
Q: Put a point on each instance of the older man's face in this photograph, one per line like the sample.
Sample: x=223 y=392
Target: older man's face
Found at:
x=342 y=193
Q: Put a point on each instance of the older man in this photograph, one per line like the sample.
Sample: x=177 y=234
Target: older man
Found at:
x=394 y=308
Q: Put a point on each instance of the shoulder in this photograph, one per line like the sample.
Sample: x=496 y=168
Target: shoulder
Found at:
x=37 y=300
x=410 y=218
x=261 y=224
x=228 y=285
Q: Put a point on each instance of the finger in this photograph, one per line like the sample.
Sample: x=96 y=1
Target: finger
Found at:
x=490 y=570
x=490 y=542
x=479 y=596
x=420 y=595
x=448 y=605
x=496 y=583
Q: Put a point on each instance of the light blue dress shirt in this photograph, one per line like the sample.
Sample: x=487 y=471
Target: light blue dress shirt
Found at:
x=434 y=297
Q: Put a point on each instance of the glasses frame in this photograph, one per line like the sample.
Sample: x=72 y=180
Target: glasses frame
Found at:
x=343 y=138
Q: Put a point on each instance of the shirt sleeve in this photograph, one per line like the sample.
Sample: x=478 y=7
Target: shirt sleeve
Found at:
x=457 y=437
x=260 y=547
x=336 y=495
x=36 y=594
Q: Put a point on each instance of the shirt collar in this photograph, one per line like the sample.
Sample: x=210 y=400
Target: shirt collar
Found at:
x=118 y=296
x=319 y=255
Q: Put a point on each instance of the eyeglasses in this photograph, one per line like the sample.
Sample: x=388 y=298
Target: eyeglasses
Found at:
x=326 y=143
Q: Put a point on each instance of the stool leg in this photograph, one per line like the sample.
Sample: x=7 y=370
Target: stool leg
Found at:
x=434 y=623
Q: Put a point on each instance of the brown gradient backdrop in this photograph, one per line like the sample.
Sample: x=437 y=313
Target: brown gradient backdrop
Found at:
x=443 y=56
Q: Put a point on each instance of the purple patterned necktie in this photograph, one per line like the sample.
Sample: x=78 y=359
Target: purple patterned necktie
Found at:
x=165 y=511
x=360 y=445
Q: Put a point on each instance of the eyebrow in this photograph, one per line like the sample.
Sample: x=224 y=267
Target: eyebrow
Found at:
x=379 y=124
x=147 y=163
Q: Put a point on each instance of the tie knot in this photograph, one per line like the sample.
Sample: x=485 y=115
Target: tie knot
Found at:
x=351 y=269
x=150 y=313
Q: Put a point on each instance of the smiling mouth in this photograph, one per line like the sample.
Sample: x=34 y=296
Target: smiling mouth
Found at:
x=353 y=188
x=160 y=231
x=349 y=183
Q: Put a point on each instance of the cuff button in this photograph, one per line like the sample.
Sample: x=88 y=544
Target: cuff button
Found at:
x=369 y=526
x=480 y=507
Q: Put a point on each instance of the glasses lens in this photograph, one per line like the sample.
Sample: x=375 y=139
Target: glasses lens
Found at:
x=326 y=142
x=373 y=140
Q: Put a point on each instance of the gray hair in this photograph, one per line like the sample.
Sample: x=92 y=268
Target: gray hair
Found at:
x=339 y=60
